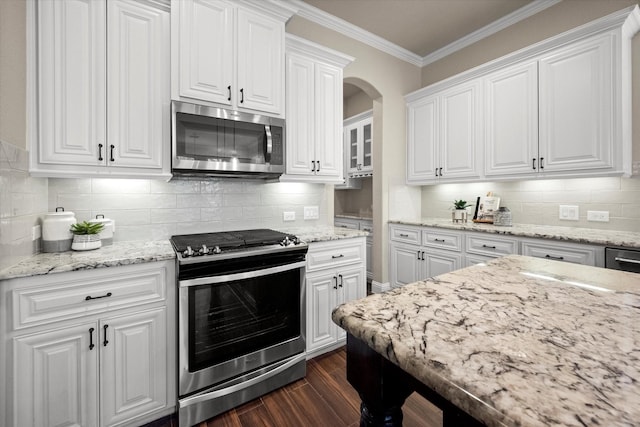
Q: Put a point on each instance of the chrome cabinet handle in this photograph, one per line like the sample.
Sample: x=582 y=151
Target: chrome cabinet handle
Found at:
x=100 y=158
x=627 y=260
x=89 y=297
x=559 y=258
x=91 y=344
x=489 y=247
x=105 y=342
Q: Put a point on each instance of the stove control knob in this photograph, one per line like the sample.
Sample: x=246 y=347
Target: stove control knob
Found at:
x=188 y=252
x=216 y=250
x=285 y=241
x=204 y=250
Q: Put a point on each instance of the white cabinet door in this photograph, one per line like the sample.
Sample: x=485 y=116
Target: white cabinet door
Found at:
x=71 y=81
x=576 y=106
x=422 y=141
x=321 y=299
x=440 y=262
x=351 y=286
x=58 y=377
x=300 y=111
x=133 y=365
x=206 y=49
x=406 y=265
x=359 y=146
x=138 y=80
x=260 y=54
x=511 y=120
x=353 y=140
x=328 y=117
x=460 y=131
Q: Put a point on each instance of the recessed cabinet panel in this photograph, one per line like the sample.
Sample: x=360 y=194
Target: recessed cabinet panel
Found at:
x=328 y=131
x=511 y=113
x=58 y=382
x=300 y=104
x=576 y=101
x=422 y=140
x=206 y=51
x=138 y=104
x=72 y=58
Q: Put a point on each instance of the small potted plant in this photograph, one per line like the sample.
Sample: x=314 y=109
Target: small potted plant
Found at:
x=459 y=213
x=86 y=236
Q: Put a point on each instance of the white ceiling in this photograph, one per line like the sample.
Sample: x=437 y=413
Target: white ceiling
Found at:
x=420 y=26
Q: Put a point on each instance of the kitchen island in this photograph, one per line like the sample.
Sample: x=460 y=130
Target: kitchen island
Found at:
x=517 y=341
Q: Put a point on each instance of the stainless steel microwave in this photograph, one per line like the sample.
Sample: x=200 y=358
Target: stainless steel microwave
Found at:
x=218 y=142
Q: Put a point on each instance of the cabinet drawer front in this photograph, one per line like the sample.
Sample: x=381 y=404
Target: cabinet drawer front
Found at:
x=574 y=254
x=491 y=246
x=70 y=296
x=341 y=223
x=336 y=253
x=405 y=234
x=442 y=240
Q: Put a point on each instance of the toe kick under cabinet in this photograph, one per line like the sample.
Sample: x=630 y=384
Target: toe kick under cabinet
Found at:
x=335 y=274
x=417 y=253
x=88 y=348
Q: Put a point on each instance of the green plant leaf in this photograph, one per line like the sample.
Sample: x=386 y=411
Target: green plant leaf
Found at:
x=85 y=227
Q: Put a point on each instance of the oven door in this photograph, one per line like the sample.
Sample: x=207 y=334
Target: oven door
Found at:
x=231 y=324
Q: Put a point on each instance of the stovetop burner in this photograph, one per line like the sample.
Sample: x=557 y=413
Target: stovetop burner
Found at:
x=234 y=243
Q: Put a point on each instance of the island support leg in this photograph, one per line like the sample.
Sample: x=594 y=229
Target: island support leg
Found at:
x=382 y=386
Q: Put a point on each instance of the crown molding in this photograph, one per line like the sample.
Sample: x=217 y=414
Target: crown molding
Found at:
x=486 y=31
x=341 y=26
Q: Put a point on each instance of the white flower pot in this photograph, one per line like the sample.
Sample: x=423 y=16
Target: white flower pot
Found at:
x=459 y=215
x=85 y=242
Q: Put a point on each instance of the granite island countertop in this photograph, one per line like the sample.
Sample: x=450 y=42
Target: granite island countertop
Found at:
x=517 y=341
x=570 y=234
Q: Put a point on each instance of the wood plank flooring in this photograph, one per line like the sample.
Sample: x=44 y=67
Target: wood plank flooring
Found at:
x=323 y=398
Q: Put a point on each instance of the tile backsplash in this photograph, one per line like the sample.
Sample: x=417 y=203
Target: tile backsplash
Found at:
x=149 y=209
x=23 y=201
x=538 y=201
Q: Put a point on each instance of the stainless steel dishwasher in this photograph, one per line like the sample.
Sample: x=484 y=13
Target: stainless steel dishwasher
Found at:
x=624 y=259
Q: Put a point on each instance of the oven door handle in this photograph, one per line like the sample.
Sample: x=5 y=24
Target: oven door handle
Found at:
x=212 y=394
x=240 y=276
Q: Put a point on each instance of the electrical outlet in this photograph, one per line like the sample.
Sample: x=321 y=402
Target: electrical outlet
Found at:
x=569 y=213
x=36 y=232
x=288 y=216
x=311 y=212
x=598 y=216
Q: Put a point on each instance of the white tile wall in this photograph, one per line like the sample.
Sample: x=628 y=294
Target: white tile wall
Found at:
x=144 y=209
x=537 y=202
x=23 y=200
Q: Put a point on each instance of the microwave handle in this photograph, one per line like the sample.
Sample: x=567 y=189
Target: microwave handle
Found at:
x=267 y=131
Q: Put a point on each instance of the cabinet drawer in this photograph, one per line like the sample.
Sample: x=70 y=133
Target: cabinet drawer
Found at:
x=345 y=223
x=442 y=239
x=69 y=295
x=367 y=226
x=405 y=234
x=491 y=246
x=335 y=253
x=577 y=254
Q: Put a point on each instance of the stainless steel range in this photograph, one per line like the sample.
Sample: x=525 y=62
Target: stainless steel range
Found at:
x=241 y=318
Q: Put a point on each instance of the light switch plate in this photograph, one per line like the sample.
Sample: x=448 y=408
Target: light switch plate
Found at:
x=36 y=232
x=311 y=212
x=288 y=216
x=569 y=213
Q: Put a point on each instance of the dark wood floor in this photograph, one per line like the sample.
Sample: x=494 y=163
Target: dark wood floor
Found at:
x=322 y=398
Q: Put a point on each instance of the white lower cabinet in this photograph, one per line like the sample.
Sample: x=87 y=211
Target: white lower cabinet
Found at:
x=563 y=251
x=103 y=367
x=335 y=274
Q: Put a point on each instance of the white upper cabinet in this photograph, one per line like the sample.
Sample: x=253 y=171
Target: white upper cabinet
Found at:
x=314 y=147
x=444 y=134
x=511 y=120
x=85 y=47
x=577 y=110
x=229 y=54
x=560 y=108
x=359 y=144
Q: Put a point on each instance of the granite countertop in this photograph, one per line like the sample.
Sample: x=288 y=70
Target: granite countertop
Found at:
x=120 y=253
x=570 y=234
x=137 y=252
x=516 y=341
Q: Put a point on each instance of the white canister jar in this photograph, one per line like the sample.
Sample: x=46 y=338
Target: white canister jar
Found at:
x=106 y=235
x=56 y=231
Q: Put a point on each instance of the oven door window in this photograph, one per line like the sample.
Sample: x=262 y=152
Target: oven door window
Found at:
x=231 y=319
x=219 y=140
